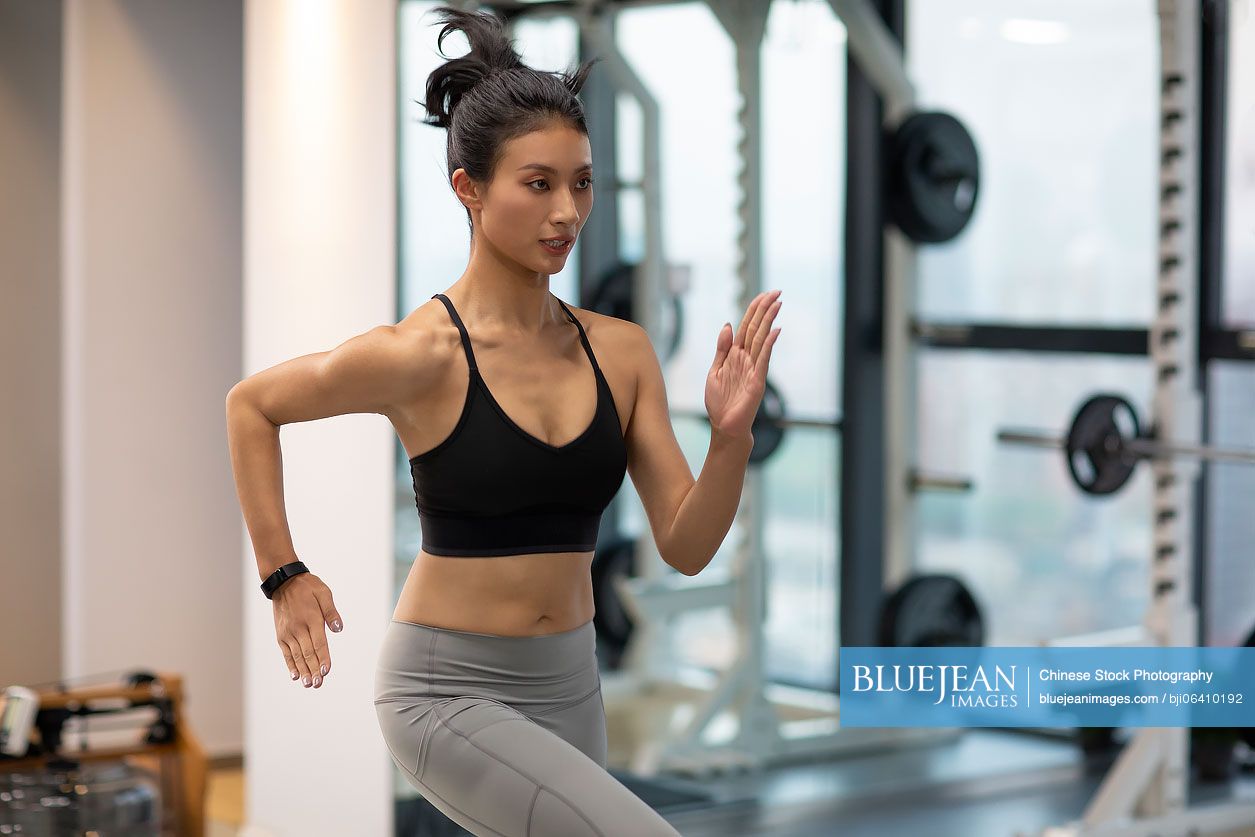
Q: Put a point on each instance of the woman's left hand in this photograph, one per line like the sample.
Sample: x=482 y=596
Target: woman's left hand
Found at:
x=738 y=376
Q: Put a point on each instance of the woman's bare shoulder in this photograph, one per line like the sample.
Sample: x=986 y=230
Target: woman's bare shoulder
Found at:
x=617 y=343
x=607 y=328
x=427 y=339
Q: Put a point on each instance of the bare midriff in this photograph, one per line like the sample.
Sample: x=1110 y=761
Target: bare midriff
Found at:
x=507 y=595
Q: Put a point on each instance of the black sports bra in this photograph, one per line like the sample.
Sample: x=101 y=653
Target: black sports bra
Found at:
x=492 y=488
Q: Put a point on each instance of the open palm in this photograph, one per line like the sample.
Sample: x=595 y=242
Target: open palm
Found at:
x=738 y=377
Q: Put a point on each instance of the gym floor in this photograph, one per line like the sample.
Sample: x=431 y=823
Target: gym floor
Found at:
x=982 y=783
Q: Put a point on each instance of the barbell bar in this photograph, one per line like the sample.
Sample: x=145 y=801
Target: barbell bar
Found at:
x=1105 y=443
x=1142 y=447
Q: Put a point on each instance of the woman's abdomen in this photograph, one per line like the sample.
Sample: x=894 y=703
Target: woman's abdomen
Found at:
x=507 y=595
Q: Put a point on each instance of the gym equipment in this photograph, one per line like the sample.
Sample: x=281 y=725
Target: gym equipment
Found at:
x=612 y=296
x=1105 y=443
x=1146 y=790
x=773 y=724
x=153 y=783
x=934 y=176
x=769 y=423
x=1247 y=734
x=767 y=427
x=613 y=623
x=931 y=610
x=65 y=797
x=772 y=420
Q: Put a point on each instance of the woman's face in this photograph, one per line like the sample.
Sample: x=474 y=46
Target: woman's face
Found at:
x=542 y=189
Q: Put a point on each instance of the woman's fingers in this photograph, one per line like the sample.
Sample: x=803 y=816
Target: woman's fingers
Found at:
x=744 y=325
x=723 y=345
x=322 y=654
x=330 y=615
x=753 y=316
x=762 y=328
x=287 y=659
x=298 y=660
x=302 y=616
x=310 y=656
x=764 y=357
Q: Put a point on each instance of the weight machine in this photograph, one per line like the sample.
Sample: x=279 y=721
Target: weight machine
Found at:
x=936 y=163
x=935 y=182
x=1145 y=792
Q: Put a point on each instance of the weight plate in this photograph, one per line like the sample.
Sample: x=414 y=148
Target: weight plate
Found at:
x=767 y=430
x=610 y=618
x=931 y=610
x=933 y=178
x=1098 y=458
x=613 y=297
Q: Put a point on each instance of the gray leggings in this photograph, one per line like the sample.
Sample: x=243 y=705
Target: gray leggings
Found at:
x=506 y=735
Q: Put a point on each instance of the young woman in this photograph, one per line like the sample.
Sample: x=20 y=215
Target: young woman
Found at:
x=523 y=416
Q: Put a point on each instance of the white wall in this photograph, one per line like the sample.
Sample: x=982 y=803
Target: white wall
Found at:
x=195 y=192
x=151 y=250
x=319 y=268
x=30 y=341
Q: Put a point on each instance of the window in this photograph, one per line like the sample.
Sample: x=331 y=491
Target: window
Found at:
x=685 y=58
x=1230 y=498
x=1064 y=237
x=1043 y=558
x=1239 y=292
x=1065 y=226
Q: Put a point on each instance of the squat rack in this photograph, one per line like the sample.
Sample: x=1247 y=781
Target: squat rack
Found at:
x=1145 y=791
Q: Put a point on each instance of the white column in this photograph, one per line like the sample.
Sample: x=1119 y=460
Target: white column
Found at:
x=319 y=268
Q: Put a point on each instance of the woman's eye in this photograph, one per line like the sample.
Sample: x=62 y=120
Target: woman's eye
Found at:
x=582 y=179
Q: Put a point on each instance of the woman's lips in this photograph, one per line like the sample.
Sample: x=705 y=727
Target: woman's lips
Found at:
x=557 y=251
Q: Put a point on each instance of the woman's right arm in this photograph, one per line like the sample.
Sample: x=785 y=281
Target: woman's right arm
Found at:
x=374 y=372
x=380 y=371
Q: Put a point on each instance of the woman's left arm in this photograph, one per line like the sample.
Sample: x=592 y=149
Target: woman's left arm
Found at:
x=690 y=518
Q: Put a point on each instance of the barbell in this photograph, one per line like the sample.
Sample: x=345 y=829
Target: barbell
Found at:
x=1105 y=443
x=769 y=423
x=772 y=419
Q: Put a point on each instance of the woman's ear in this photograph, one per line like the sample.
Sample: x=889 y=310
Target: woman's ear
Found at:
x=466 y=189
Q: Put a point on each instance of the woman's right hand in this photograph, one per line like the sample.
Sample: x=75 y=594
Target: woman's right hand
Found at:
x=303 y=609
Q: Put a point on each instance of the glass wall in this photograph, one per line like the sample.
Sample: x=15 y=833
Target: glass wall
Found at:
x=1065 y=226
x=1231 y=382
x=1044 y=559
x=1064 y=236
x=686 y=59
x=1239 y=291
x=1230 y=498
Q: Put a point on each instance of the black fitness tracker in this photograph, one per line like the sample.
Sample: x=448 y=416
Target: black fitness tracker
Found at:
x=276 y=579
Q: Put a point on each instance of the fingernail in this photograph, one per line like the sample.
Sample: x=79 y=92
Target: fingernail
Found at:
x=317 y=681
x=324 y=670
x=295 y=675
x=335 y=625
x=306 y=681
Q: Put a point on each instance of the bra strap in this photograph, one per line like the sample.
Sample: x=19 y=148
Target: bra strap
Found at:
x=588 y=349
x=466 y=338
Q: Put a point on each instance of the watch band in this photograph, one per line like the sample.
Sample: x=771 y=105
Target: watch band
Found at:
x=279 y=576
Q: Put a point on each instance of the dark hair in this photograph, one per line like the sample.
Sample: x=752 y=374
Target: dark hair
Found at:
x=489 y=96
